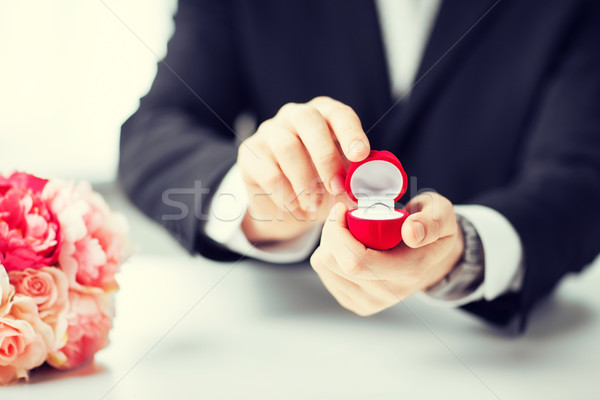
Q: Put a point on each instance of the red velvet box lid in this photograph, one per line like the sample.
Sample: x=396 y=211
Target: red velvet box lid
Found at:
x=380 y=175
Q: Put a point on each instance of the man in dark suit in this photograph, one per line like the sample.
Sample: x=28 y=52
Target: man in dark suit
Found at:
x=493 y=105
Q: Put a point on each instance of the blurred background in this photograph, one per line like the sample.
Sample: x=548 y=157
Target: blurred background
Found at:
x=71 y=72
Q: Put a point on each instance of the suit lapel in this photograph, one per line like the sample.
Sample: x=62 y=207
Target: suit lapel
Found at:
x=458 y=26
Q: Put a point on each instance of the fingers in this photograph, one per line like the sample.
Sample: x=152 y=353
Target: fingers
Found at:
x=264 y=172
x=301 y=150
x=296 y=165
x=351 y=256
x=432 y=218
x=363 y=298
x=312 y=129
x=346 y=127
x=349 y=253
x=334 y=283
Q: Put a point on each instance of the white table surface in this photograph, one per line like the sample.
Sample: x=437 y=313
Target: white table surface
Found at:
x=191 y=328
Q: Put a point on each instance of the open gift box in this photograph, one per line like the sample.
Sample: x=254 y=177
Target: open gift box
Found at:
x=376 y=183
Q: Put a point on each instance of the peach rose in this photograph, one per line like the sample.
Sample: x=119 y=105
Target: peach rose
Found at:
x=7 y=292
x=90 y=319
x=24 y=340
x=94 y=237
x=49 y=289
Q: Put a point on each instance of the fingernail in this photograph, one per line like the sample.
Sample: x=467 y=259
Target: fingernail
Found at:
x=356 y=148
x=419 y=231
x=336 y=185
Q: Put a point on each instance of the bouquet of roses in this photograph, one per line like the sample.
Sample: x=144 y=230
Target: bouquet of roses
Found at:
x=60 y=247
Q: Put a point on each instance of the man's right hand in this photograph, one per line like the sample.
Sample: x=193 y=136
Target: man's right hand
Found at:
x=294 y=167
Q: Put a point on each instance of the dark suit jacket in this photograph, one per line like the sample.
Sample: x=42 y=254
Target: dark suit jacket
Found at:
x=505 y=113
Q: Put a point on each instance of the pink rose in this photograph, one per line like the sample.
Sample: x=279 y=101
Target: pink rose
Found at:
x=23 y=181
x=24 y=340
x=49 y=289
x=29 y=231
x=94 y=236
x=7 y=292
x=90 y=320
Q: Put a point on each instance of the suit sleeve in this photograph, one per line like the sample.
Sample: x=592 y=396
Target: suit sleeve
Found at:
x=553 y=201
x=179 y=144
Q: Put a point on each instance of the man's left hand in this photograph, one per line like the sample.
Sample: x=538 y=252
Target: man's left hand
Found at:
x=367 y=281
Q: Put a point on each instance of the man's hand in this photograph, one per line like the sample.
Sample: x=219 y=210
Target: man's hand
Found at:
x=368 y=281
x=295 y=164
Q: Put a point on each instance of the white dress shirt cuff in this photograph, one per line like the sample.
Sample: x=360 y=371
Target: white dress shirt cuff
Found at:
x=227 y=210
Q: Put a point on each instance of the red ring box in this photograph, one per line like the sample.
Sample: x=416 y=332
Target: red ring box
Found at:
x=376 y=183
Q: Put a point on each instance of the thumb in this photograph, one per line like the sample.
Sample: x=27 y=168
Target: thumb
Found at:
x=434 y=219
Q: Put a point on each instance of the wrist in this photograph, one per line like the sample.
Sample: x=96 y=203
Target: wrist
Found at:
x=446 y=266
x=261 y=231
x=467 y=274
x=253 y=231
